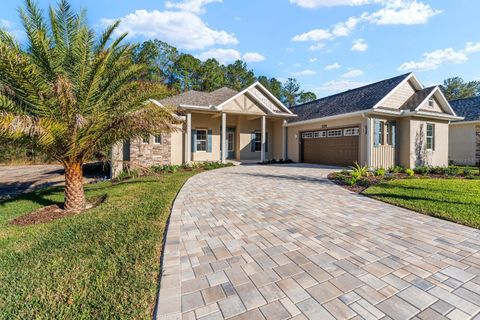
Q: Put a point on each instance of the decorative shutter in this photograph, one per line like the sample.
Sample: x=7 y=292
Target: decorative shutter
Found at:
x=376 y=132
x=433 y=137
x=266 y=141
x=194 y=140
x=209 y=141
x=252 y=142
x=393 y=132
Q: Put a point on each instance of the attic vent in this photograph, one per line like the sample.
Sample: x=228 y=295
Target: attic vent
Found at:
x=430 y=103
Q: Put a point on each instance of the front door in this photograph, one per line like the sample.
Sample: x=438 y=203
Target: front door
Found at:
x=231 y=143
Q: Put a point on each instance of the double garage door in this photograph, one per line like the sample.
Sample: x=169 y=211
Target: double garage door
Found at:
x=331 y=146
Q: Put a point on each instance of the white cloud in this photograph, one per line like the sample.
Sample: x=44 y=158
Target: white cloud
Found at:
x=406 y=12
x=335 y=86
x=309 y=4
x=434 y=59
x=195 y=6
x=224 y=56
x=343 y=29
x=306 y=72
x=312 y=60
x=353 y=73
x=11 y=28
x=313 y=35
x=333 y=66
x=317 y=46
x=182 y=29
x=253 y=57
x=359 y=45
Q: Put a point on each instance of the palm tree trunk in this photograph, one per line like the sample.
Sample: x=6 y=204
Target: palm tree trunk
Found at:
x=74 y=194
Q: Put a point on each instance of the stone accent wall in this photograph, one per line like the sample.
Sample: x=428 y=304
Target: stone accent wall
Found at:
x=477 y=153
x=145 y=155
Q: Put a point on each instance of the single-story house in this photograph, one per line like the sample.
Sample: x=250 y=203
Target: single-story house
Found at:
x=396 y=121
x=464 y=137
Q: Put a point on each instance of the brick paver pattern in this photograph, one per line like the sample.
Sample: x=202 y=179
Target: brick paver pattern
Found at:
x=282 y=242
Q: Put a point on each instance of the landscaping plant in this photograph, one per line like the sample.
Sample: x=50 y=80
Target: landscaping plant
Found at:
x=73 y=93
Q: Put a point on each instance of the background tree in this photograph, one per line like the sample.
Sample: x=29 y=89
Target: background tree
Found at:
x=212 y=75
x=160 y=58
x=291 y=90
x=72 y=93
x=238 y=76
x=457 y=88
x=186 y=75
x=306 y=96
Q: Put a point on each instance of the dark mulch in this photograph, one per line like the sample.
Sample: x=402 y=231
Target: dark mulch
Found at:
x=53 y=212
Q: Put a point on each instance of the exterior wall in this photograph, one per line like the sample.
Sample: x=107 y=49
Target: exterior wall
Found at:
x=207 y=121
x=400 y=96
x=177 y=145
x=403 y=142
x=418 y=155
x=294 y=132
x=435 y=108
x=464 y=143
x=144 y=155
x=277 y=139
x=117 y=162
x=385 y=155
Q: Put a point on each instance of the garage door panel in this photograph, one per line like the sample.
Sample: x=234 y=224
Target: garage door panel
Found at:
x=331 y=150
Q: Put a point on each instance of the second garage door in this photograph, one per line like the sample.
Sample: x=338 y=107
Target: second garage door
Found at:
x=332 y=147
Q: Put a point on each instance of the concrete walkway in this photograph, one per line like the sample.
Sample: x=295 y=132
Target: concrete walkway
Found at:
x=281 y=242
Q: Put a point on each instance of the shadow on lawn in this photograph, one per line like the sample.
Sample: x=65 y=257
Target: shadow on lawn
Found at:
x=387 y=196
x=38 y=196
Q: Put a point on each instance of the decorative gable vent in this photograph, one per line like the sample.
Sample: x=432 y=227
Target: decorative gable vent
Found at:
x=265 y=100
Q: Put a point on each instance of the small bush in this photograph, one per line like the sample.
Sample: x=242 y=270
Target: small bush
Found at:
x=409 y=172
x=467 y=172
x=350 y=182
x=356 y=175
x=380 y=172
x=396 y=169
x=361 y=171
x=363 y=182
x=423 y=170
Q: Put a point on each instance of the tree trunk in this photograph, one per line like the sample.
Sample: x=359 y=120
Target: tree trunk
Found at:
x=74 y=194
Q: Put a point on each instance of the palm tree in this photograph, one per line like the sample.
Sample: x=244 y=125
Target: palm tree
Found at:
x=73 y=93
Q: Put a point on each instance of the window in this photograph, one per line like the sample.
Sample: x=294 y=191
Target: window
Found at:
x=319 y=134
x=158 y=139
x=430 y=103
x=378 y=131
x=201 y=136
x=307 y=135
x=430 y=143
x=146 y=140
x=350 y=132
x=334 y=133
x=258 y=141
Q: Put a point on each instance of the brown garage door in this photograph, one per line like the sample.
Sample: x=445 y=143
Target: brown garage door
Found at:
x=332 y=146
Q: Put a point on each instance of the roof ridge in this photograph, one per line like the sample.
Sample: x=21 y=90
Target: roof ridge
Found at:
x=354 y=89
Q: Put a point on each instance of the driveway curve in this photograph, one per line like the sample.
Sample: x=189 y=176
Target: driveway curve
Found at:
x=281 y=242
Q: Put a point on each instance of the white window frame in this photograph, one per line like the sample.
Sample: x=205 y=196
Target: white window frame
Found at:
x=320 y=134
x=155 y=139
x=334 y=133
x=307 y=135
x=431 y=137
x=431 y=102
x=349 y=132
x=258 y=141
x=201 y=140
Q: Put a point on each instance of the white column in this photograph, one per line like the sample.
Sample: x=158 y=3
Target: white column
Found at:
x=369 y=142
x=284 y=140
x=223 y=156
x=188 y=140
x=262 y=149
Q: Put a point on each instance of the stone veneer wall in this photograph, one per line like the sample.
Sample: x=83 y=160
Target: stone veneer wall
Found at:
x=145 y=155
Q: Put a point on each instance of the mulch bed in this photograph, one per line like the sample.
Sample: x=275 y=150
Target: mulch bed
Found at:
x=53 y=212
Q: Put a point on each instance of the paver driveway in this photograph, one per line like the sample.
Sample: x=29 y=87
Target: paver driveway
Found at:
x=279 y=242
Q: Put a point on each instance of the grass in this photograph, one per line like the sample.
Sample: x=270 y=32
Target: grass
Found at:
x=101 y=264
x=456 y=200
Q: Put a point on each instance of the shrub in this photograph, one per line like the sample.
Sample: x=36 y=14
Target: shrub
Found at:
x=363 y=182
x=423 y=170
x=468 y=172
x=356 y=175
x=380 y=172
x=351 y=182
x=409 y=172
x=397 y=169
x=361 y=171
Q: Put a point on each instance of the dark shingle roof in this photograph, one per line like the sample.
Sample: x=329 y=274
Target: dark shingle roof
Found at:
x=468 y=108
x=418 y=97
x=358 y=99
x=198 y=98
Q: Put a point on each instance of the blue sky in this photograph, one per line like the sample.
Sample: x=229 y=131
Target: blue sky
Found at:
x=328 y=45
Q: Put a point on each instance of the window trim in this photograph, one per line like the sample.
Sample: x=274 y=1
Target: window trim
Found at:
x=197 y=140
x=335 y=130
x=432 y=137
x=431 y=103
x=354 y=132
x=259 y=133
x=147 y=138
x=155 y=139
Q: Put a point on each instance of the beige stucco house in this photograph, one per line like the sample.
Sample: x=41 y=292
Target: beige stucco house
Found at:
x=464 y=138
x=395 y=121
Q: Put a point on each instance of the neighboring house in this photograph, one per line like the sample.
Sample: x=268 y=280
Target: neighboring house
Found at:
x=396 y=121
x=464 y=139
x=392 y=122
x=250 y=120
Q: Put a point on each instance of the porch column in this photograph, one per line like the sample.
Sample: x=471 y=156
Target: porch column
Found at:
x=369 y=142
x=262 y=149
x=188 y=139
x=284 y=140
x=223 y=153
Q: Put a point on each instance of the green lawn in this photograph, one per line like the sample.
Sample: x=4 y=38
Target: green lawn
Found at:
x=456 y=200
x=101 y=264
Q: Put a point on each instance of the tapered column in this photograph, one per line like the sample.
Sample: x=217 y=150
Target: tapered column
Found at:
x=262 y=149
x=284 y=140
x=223 y=156
x=188 y=140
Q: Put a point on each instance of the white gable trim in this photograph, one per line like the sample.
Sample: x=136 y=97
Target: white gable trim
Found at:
x=411 y=76
x=443 y=101
x=284 y=108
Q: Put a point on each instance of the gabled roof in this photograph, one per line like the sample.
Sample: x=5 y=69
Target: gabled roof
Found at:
x=468 y=108
x=417 y=98
x=354 y=100
x=199 y=98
